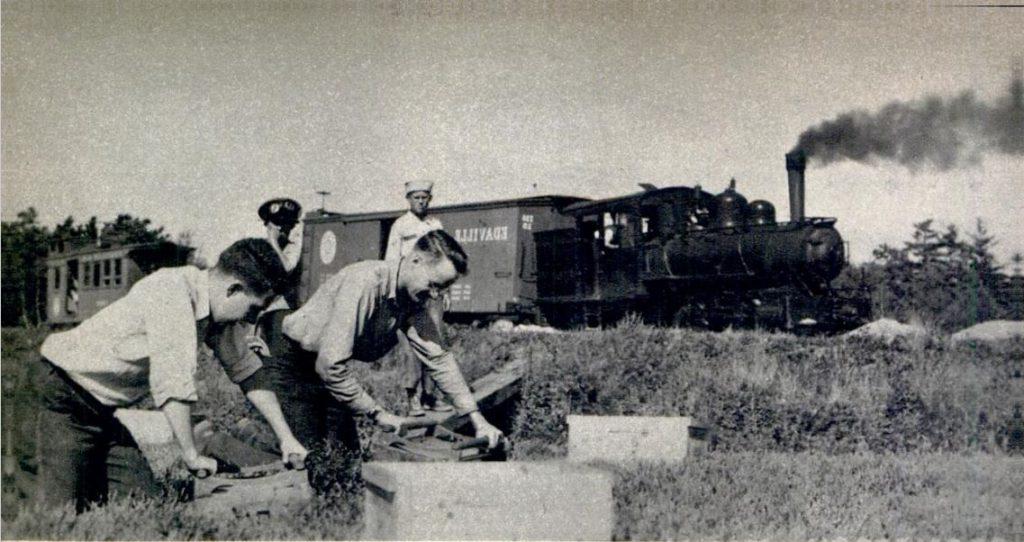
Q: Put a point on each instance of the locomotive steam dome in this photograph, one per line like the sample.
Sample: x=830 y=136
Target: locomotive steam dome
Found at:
x=762 y=212
x=731 y=208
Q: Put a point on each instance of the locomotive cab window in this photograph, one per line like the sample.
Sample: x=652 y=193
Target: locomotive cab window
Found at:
x=619 y=229
x=590 y=228
x=649 y=229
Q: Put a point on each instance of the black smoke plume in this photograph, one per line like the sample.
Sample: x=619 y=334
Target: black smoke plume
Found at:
x=941 y=133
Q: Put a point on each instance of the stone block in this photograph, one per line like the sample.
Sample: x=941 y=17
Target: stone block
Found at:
x=487 y=501
x=633 y=438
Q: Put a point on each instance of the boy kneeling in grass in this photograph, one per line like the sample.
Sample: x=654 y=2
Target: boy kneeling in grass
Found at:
x=147 y=342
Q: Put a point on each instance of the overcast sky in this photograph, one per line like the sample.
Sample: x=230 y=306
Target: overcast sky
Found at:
x=192 y=114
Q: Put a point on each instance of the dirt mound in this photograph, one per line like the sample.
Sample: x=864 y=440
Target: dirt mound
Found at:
x=506 y=326
x=993 y=330
x=530 y=328
x=887 y=329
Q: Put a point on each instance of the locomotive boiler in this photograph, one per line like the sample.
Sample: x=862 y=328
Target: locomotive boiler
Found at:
x=683 y=256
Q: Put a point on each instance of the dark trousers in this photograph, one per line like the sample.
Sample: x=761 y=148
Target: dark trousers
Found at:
x=315 y=418
x=84 y=452
x=413 y=374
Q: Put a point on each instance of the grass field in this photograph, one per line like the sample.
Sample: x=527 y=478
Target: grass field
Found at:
x=812 y=437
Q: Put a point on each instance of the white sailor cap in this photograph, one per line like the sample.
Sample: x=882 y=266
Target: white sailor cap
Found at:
x=418 y=186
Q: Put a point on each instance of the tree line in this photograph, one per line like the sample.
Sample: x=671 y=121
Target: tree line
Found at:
x=941 y=278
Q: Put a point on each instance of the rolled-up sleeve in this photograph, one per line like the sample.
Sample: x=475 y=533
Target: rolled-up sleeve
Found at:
x=170 y=325
x=424 y=338
x=230 y=347
x=353 y=306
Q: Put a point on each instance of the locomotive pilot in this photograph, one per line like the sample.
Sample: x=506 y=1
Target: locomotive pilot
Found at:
x=404 y=234
x=356 y=315
x=145 y=343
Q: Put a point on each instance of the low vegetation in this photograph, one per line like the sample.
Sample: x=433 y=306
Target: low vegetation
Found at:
x=811 y=437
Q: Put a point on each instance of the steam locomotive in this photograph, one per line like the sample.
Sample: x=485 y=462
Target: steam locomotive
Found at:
x=675 y=256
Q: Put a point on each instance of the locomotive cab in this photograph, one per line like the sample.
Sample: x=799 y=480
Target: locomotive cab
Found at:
x=599 y=267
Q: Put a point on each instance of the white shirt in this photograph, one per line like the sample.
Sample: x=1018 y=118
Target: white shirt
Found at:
x=355 y=315
x=406 y=231
x=144 y=342
x=291 y=252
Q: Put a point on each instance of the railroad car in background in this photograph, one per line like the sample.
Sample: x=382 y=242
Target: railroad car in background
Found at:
x=497 y=236
x=676 y=256
x=82 y=278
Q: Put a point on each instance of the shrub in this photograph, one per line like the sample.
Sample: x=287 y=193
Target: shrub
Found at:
x=775 y=393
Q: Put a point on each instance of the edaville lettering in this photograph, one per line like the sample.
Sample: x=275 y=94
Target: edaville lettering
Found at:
x=480 y=235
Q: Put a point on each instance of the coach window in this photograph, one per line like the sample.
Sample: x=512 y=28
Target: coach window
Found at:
x=56 y=278
x=106 y=272
x=117 y=272
x=96 y=274
x=86 y=274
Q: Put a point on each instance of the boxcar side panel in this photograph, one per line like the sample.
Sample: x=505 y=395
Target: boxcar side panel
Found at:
x=489 y=237
x=330 y=245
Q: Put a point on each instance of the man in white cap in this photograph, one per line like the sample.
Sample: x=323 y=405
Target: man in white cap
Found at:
x=404 y=234
x=410 y=226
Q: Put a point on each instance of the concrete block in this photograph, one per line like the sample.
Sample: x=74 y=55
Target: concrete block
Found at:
x=487 y=501
x=632 y=438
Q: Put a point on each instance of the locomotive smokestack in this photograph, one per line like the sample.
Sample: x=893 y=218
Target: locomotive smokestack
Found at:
x=796 y=163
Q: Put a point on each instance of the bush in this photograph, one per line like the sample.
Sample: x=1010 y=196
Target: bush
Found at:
x=773 y=393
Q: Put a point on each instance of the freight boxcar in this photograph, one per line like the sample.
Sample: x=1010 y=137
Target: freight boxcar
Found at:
x=81 y=280
x=497 y=237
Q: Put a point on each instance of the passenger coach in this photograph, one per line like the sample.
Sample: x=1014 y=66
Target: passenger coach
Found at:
x=82 y=278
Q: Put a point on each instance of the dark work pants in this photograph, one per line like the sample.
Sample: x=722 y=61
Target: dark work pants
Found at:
x=413 y=374
x=315 y=418
x=84 y=452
